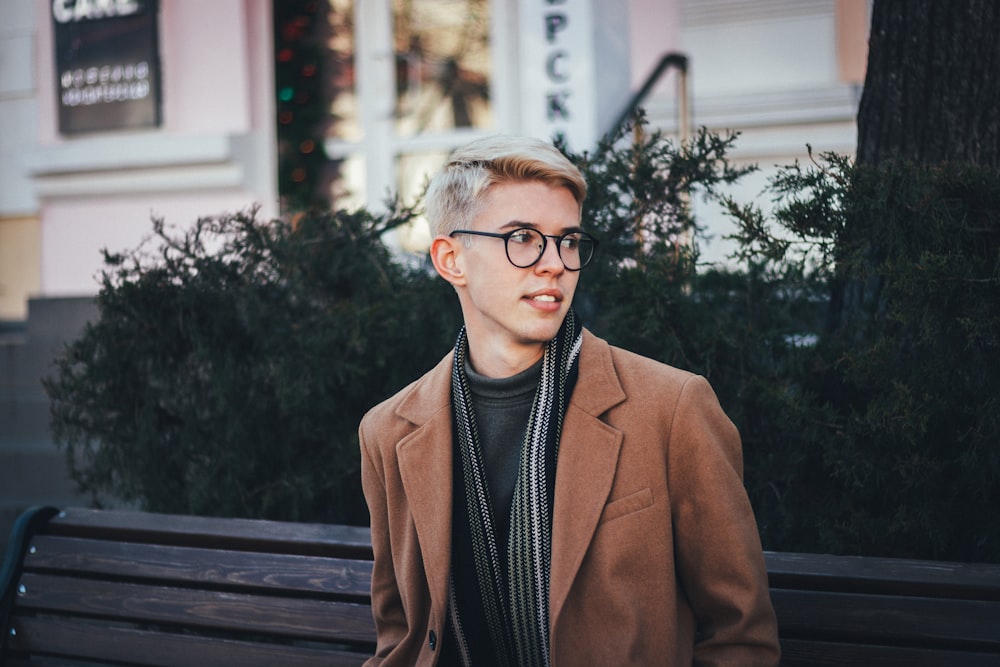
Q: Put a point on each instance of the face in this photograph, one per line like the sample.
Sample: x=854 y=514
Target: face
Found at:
x=511 y=313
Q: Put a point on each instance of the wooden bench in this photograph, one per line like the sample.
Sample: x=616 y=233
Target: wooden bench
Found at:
x=859 y=611
x=111 y=587
x=100 y=587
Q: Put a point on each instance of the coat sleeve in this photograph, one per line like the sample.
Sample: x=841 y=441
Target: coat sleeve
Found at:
x=387 y=607
x=720 y=564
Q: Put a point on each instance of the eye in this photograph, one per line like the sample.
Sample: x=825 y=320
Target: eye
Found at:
x=522 y=236
x=570 y=242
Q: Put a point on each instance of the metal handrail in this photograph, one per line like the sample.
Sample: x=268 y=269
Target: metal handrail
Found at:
x=667 y=61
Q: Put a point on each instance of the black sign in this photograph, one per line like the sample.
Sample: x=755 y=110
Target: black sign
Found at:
x=107 y=64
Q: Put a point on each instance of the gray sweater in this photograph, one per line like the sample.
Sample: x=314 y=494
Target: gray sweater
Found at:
x=502 y=409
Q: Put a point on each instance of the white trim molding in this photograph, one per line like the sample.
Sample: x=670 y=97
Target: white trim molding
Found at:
x=145 y=163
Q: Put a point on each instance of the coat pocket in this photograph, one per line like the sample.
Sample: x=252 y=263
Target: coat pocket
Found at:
x=620 y=507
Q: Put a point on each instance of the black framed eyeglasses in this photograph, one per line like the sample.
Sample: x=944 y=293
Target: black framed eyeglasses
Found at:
x=525 y=246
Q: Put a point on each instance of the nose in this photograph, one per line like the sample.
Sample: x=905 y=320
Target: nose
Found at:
x=550 y=261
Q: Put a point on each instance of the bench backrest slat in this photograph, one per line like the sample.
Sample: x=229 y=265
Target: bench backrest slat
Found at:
x=884 y=619
x=216 y=533
x=167 y=564
x=804 y=653
x=133 y=646
x=274 y=615
x=892 y=576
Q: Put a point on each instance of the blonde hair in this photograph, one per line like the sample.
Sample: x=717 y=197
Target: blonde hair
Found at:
x=458 y=192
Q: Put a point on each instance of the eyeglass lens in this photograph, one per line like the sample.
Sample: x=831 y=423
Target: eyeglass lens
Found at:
x=525 y=247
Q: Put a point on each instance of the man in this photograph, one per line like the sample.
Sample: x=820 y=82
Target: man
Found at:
x=540 y=497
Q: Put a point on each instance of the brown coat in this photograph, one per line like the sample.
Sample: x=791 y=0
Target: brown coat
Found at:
x=656 y=558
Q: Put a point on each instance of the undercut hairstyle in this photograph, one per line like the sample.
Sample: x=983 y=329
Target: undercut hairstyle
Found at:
x=458 y=192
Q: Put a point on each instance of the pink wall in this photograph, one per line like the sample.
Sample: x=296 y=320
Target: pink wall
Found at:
x=206 y=78
x=217 y=91
x=654 y=27
x=74 y=233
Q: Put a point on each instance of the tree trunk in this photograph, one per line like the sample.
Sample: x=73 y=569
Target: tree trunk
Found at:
x=932 y=90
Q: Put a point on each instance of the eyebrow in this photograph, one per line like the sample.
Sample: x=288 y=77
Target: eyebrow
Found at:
x=519 y=224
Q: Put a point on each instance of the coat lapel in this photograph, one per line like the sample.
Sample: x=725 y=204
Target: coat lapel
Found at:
x=588 y=457
x=425 y=466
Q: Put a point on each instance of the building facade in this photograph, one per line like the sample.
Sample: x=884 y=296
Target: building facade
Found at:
x=93 y=143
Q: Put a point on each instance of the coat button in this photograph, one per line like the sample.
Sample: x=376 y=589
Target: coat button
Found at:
x=432 y=640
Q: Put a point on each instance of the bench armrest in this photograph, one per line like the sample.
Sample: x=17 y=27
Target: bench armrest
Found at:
x=27 y=524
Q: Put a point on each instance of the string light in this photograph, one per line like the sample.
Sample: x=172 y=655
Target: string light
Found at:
x=303 y=94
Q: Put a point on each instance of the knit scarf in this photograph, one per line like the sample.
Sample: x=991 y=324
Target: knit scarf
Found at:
x=514 y=599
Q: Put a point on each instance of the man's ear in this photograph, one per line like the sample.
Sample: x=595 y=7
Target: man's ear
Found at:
x=446 y=257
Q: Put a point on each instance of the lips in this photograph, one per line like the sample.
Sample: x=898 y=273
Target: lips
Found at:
x=546 y=300
x=546 y=296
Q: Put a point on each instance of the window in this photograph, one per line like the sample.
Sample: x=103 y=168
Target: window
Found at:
x=415 y=79
x=442 y=65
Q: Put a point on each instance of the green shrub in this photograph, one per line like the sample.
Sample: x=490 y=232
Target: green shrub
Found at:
x=230 y=366
x=919 y=346
x=857 y=347
x=893 y=438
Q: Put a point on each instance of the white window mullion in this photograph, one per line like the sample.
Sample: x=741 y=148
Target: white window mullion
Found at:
x=505 y=81
x=375 y=64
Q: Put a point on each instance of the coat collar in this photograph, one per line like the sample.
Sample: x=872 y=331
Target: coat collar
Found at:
x=588 y=456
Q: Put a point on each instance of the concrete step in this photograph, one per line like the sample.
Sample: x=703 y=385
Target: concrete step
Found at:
x=32 y=476
x=8 y=515
x=59 y=318
x=24 y=420
x=36 y=475
x=32 y=470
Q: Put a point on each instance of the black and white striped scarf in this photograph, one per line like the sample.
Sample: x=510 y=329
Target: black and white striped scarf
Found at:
x=514 y=599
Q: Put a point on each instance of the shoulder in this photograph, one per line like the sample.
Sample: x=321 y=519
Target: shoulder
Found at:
x=629 y=362
x=615 y=379
x=658 y=403
x=632 y=369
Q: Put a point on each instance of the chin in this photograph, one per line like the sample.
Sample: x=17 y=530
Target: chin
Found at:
x=543 y=334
